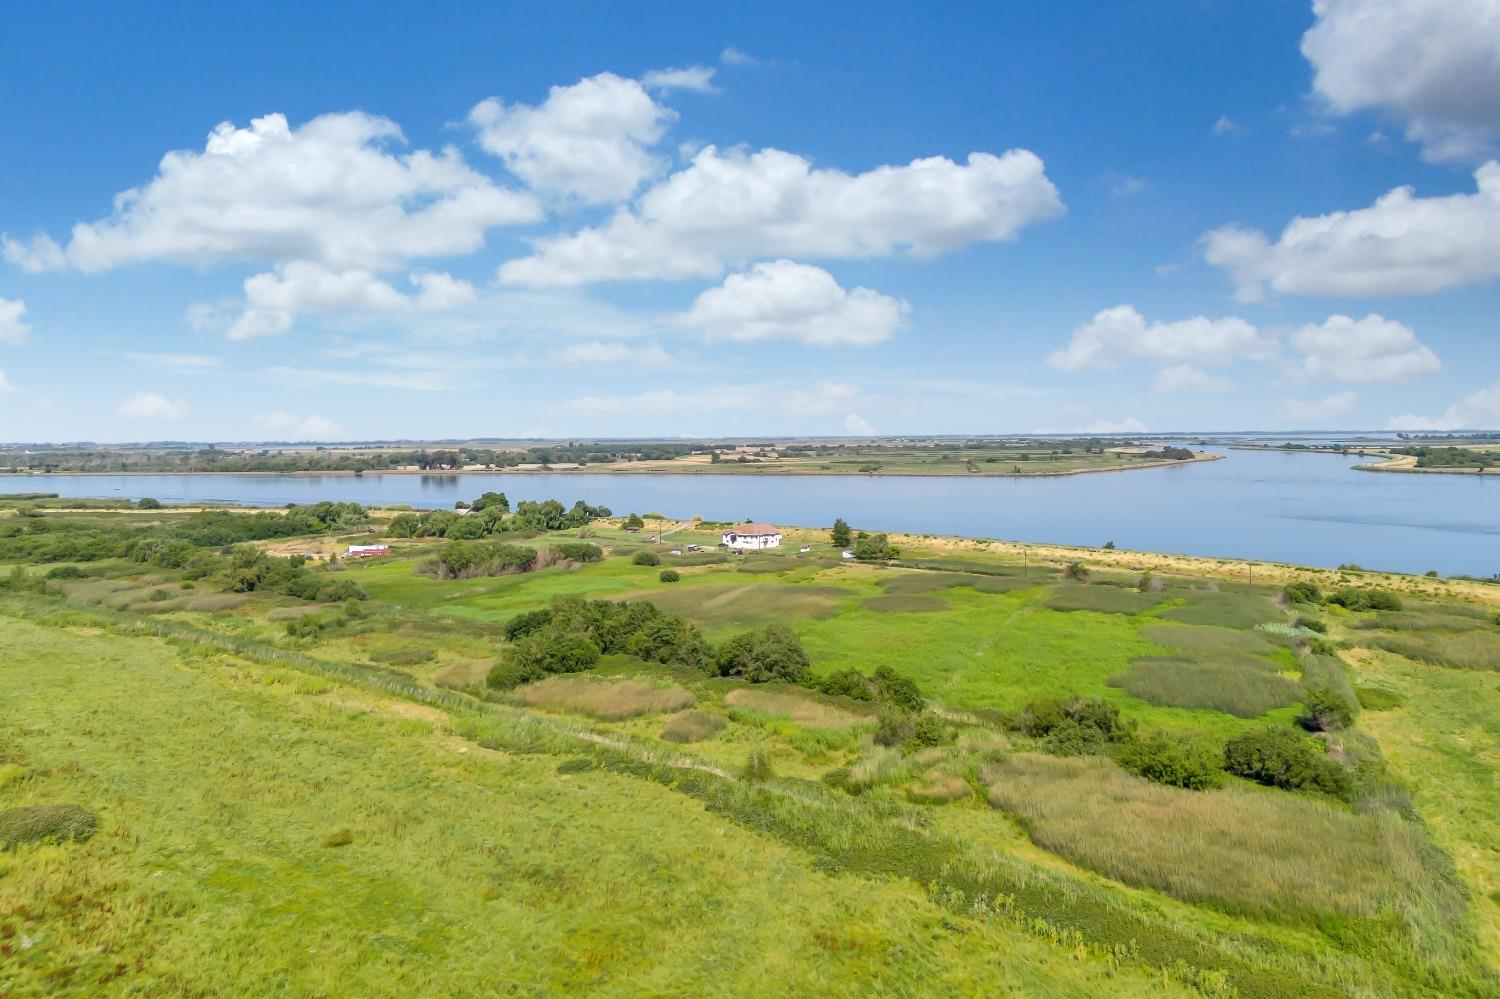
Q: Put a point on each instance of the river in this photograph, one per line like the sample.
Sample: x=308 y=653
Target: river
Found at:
x=1311 y=509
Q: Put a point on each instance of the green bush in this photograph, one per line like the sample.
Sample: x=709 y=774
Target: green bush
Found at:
x=770 y=653
x=147 y=503
x=1077 y=571
x=1072 y=727
x=39 y=823
x=1325 y=710
x=757 y=769
x=646 y=558
x=1312 y=624
x=525 y=624
x=1303 y=592
x=1355 y=598
x=1283 y=757
x=885 y=685
x=692 y=726
x=1173 y=760
x=874 y=547
x=403 y=657
x=66 y=572
x=507 y=674
x=669 y=576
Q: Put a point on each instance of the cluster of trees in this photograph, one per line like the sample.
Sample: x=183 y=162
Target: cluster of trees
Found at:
x=491 y=514
x=1451 y=457
x=1353 y=598
x=42 y=539
x=1276 y=755
x=245 y=568
x=571 y=635
x=468 y=559
x=1169 y=454
x=867 y=547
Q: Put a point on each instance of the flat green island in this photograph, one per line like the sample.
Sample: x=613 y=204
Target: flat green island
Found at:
x=558 y=757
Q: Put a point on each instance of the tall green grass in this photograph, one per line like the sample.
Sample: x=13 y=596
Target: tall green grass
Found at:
x=1245 y=691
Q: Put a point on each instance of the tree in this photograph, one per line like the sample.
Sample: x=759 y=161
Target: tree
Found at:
x=492 y=499
x=646 y=558
x=873 y=547
x=840 y=533
x=634 y=522
x=147 y=503
x=771 y=653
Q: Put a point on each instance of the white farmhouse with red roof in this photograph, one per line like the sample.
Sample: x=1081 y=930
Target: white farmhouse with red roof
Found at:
x=752 y=537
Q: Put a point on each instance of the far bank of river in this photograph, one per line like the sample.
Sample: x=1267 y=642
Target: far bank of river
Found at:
x=1300 y=508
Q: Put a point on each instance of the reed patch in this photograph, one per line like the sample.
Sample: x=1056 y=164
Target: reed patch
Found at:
x=609 y=700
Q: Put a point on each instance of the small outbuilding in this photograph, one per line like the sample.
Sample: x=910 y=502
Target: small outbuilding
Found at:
x=366 y=551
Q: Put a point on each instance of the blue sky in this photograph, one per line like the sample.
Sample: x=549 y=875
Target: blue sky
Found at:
x=317 y=222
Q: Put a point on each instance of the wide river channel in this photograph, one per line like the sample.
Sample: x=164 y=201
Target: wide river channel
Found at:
x=1312 y=509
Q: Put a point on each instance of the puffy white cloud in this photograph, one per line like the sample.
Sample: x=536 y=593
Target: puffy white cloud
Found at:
x=783 y=300
x=697 y=78
x=1371 y=349
x=291 y=427
x=1120 y=334
x=731 y=207
x=1480 y=411
x=152 y=406
x=274 y=300
x=330 y=192
x=13 y=325
x=588 y=141
x=732 y=56
x=614 y=352
x=1400 y=245
x=1224 y=125
x=1328 y=407
x=1433 y=65
x=1185 y=379
x=858 y=426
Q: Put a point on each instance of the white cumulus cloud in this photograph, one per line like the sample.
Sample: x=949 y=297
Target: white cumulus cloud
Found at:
x=1432 y=65
x=730 y=207
x=291 y=427
x=1371 y=349
x=1326 y=408
x=1479 y=411
x=1185 y=379
x=858 y=426
x=590 y=141
x=274 y=300
x=697 y=78
x=1121 y=334
x=1400 y=245
x=331 y=191
x=783 y=300
x=152 y=406
x=13 y=325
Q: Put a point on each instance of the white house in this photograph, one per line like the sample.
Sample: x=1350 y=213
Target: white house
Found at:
x=365 y=551
x=752 y=537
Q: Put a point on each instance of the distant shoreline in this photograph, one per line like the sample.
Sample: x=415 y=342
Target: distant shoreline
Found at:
x=1400 y=464
x=626 y=470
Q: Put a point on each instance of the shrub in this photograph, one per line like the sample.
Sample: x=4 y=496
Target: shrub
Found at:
x=39 y=823
x=894 y=728
x=307 y=626
x=757 y=769
x=929 y=730
x=507 y=674
x=66 y=572
x=1325 y=710
x=1283 y=757
x=646 y=558
x=1312 y=624
x=770 y=653
x=874 y=547
x=1077 y=571
x=341 y=837
x=1173 y=760
x=555 y=640
x=525 y=624
x=556 y=654
x=939 y=789
x=403 y=657
x=669 y=576
x=1355 y=598
x=1072 y=727
x=1303 y=592
x=147 y=503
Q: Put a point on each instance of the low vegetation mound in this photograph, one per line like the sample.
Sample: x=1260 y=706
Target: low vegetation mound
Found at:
x=1103 y=598
x=692 y=726
x=1208 y=639
x=1462 y=650
x=468 y=559
x=1234 y=688
x=799 y=707
x=45 y=823
x=939 y=789
x=608 y=700
x=1281 y=756
x=896 y=603
x=1225 y=610
x=1271 y=855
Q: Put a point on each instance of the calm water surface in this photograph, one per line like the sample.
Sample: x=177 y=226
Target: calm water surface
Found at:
x=1311 y=509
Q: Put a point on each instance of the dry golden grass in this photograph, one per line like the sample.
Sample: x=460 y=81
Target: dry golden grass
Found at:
x=803 y=710
x=939 y=789
x=692 y=726
x=610 y=700
x=1264 y=852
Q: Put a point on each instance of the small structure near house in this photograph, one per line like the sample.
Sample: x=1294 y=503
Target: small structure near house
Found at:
x=805 y=549
x=366 y=551
x=752 y=537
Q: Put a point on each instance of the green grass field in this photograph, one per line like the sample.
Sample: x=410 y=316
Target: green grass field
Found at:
x=284 y=810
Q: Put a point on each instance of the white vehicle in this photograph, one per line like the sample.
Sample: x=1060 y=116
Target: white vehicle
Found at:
x=847 y=554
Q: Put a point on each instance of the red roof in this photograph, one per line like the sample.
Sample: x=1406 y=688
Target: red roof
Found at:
x=752 y=530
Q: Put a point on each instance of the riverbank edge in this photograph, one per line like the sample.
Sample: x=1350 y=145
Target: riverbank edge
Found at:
x=1403 y=464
